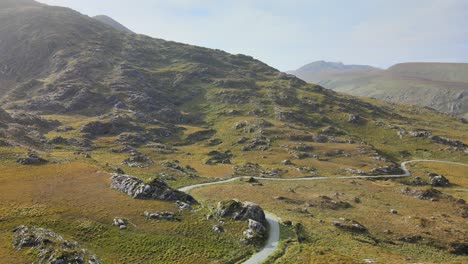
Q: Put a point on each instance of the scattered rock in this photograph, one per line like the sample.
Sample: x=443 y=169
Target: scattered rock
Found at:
x=422 y=194
x=168 y=216
x=393 y=211
x=121 y=223
x=286 y=162
x=350 y=225
x=326 y=202
x=137 y=161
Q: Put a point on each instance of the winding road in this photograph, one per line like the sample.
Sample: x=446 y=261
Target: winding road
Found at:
x=273 y=221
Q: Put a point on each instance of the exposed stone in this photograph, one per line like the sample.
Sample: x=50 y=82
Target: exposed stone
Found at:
x=183 y=206
x=410 y=239
x=354 y=119
x=349 y=225
x=218 y=229
x=392 y=169
x=438 y=180
x=420 y=133
x=31 y=159
x=138 y=160
x=216 y=157
x=393 y=211
x=168 y=216
x=155 y=189
x=50 y=247
x=240 y=211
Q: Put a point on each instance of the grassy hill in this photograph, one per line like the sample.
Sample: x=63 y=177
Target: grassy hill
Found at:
x=441 y=86
x=92 y=100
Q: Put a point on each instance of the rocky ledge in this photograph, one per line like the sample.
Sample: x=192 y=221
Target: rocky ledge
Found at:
x=51 y=247
x=156 y=189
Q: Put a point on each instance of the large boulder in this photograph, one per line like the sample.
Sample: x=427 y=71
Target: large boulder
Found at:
x=51 y=247
x=156 y=189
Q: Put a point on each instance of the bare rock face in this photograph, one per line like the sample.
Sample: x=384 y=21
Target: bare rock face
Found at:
x=51 y=247
x=156 y=189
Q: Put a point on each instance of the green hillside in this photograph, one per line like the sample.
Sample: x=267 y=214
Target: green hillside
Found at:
x=81 y=101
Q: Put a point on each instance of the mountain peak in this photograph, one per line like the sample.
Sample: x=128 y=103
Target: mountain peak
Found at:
x=113 y=23
x=321 y=65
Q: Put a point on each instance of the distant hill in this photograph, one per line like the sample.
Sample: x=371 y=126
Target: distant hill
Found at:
x=111 y=22
x=325 y=66
x=442 y=86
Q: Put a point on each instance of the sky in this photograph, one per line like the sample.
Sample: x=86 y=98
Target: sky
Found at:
x=287 y=34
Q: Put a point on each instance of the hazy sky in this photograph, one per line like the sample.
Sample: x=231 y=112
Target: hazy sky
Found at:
x=289 y=33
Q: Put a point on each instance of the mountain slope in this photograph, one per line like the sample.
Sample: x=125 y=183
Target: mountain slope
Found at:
x=90 y=100
x=442 y=86
x=111 y=22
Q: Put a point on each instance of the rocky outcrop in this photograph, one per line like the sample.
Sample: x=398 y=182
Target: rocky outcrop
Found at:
x=240 y=211
x=438 y=180
x=31 y=159
x=458 y=145
x=256 y=230
x=50 y=247
x=216 y=157
x=156 y=189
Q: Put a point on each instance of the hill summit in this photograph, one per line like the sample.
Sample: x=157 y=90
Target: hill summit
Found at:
x=111 y=22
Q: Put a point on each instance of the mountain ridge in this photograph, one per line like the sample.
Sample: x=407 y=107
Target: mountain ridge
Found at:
x=113 y=23
x=441 y=86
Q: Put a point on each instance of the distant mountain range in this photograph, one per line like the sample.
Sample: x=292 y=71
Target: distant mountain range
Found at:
x=442 y=86
x=111 y=22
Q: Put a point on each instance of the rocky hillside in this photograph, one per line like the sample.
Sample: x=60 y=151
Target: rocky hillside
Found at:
x=99 y=130
x=442 y=86
x=111 y=22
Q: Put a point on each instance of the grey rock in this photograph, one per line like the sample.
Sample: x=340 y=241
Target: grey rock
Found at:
x=31 y=159
x=156 y=189
x=50 y=247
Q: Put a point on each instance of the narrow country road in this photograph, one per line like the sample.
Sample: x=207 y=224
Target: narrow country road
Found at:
x=273 y=222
